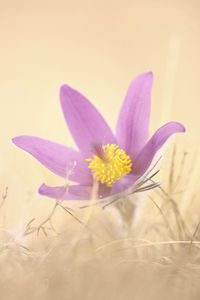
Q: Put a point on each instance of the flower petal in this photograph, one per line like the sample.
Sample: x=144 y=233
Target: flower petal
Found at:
x=86 y=124
x=144 y=159
x=103 y=191
x=133 y=121
x=59 y=159
x=125 y=183
x=73 y=192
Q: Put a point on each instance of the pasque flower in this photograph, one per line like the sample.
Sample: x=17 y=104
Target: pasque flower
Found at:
x=115 y=161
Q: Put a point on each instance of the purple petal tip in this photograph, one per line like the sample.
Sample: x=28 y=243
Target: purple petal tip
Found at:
x=65 y=89
x=42 y=189
x=150 y=73
x=147 y=74
x=14 y=140
x=17 y=140
x=144 y=78
x=178 y=126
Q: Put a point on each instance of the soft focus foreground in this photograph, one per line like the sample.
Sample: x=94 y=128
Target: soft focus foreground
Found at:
x=145 y=246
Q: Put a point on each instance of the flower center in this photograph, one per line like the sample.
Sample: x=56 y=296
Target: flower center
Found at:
x=110 y=165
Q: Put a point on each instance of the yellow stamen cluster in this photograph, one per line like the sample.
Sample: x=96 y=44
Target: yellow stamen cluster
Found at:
x=112 y=166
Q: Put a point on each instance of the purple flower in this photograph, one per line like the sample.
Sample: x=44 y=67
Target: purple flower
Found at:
x=116 y=161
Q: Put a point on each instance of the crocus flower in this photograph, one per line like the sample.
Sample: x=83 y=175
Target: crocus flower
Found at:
x=115 y=161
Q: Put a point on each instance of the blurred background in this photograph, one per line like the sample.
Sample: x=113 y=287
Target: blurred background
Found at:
x=96 y=47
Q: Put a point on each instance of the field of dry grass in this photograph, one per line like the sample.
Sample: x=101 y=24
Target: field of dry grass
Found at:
x=142 y=246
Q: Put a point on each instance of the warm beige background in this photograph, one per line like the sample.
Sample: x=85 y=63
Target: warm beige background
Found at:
x=97 y=47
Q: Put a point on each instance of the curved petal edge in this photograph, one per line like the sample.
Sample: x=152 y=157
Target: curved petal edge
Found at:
x=59 y=159
x=133 y=121
x=145 y=157
x=85 y=123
